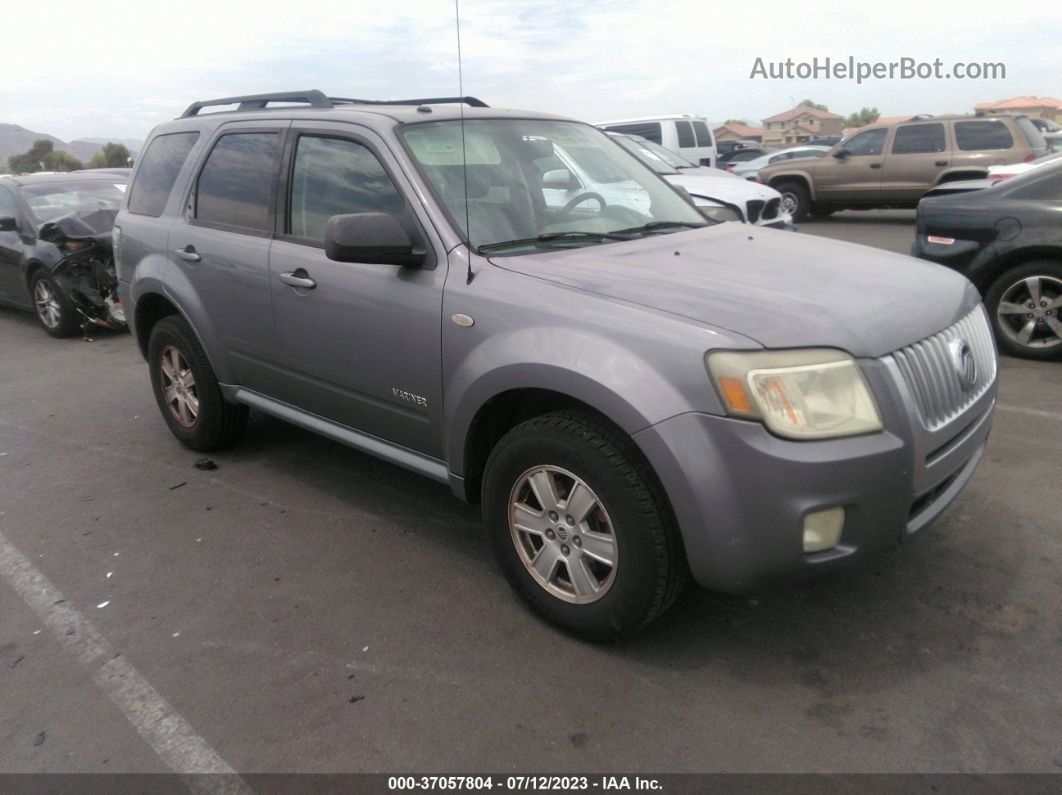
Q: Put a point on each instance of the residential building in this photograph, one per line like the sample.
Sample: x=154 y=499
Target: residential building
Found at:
x=1043 y=107
x=798 y=125
x=738 y=132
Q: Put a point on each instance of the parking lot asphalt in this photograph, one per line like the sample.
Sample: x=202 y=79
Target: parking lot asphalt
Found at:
x=304 y=607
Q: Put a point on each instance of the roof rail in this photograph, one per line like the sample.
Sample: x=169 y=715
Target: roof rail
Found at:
x=470 y=101
x=313 y=98
x=317 y=99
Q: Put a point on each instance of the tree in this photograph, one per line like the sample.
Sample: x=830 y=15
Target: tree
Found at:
x=862 y=117
x=737 y=121
x=61 y=161
x=815 y=105
x=32 y=159
x=112 y=155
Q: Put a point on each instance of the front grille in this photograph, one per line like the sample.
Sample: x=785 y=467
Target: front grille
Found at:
x=754 y=208
x=771 y=210
x=932 y=369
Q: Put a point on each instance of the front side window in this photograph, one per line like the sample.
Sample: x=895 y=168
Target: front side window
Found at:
x=919 y=139
x=870 y=142
x=489 y=174
x=972 y=136
x=335 y=176
x=235 y=187
x=157 y=171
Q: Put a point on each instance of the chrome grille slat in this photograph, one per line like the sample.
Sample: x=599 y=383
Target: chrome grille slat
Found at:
x=931 y=375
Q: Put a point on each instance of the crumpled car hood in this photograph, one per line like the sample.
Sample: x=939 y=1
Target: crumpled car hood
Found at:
x=722 y=186
x=783 y=290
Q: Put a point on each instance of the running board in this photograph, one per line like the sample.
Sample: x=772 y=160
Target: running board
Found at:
x=401 y=456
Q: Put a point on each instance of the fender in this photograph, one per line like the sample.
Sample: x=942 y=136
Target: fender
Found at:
x=617 y=382
x=155 y=276
x=781 y=176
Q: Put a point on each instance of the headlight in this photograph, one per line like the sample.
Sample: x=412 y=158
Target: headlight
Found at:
x=718 y=213
x=799 y=394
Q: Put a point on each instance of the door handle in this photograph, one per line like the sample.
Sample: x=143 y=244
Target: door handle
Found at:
x=188 y=253
x=941 y=163
x=875 y=165
x=299 y=278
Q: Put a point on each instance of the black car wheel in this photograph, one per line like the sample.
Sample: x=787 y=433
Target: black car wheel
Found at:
x=53 y=308
x=1026 y=308
x=580 y=527
x=795 y=199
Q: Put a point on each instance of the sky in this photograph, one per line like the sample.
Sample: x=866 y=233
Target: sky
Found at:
x=116 y=69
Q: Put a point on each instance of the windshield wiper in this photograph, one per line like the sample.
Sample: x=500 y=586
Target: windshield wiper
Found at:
x=559 y=237
x=659 y=226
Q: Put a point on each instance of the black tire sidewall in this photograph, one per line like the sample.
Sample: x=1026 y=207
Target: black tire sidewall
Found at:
x=995 y=294
x=800 y=193
x=68 y=319
x=209 y=431
x=630 y=598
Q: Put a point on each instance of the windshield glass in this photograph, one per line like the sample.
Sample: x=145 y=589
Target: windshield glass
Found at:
x=538 y=183
x=51 y=200
x=649 y=158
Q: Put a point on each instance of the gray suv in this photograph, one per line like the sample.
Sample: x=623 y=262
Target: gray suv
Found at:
x=633 y=393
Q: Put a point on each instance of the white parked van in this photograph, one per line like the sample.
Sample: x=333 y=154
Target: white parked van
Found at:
x=690 y=136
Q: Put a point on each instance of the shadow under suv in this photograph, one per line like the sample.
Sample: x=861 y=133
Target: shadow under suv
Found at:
x=633 y=393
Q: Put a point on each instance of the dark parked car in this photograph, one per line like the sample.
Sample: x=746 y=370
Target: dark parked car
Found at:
x=55 y=248
x=1008 y=241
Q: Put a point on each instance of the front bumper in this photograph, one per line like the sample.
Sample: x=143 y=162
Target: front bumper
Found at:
x=740 y=494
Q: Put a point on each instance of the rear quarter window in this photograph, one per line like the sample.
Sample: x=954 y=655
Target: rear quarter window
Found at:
x=975 y=135
x=157 y=171
x=703 y=134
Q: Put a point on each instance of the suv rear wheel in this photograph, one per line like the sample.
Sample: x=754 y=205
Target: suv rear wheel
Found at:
x=579 y=526
x=1026 y=308
x=795 y=199
x=187 y=390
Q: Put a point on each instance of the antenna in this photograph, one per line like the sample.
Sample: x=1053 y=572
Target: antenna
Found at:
x=469 y=276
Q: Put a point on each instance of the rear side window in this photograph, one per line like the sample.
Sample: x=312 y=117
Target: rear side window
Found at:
x=235 y=187
x=918 y=139
x=974 y=135
x=649 y=130
x=685 y=134
x=333 y=176
x=157 y=171
x=704 y=137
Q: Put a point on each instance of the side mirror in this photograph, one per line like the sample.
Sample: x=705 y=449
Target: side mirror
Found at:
x=841 y=154
x=376 y=238
x=560 y=179
x=8 y=224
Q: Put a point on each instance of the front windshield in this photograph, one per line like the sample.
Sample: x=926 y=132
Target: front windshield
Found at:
x=671 y=158
x=51 y=200
x=650 y=159
x=518 y=185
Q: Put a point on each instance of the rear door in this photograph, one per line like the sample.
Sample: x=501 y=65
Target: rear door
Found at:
x=361 y=346
x=221 y=245
x=916 y=157
x=855 y=177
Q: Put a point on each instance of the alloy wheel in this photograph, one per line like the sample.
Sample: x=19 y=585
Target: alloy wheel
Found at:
x=563 y=534
x=1028 y=312
x=47 y=304
x=178 y=386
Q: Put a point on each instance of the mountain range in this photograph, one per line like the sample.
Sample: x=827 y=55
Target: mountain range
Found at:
x=15 y=139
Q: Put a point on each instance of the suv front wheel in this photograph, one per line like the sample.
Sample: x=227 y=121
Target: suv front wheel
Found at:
x=795 y=199
x=579 y=526
x=187 y=391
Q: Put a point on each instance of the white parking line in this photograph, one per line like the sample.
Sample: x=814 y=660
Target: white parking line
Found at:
x=1051 y=415
x=168 y=734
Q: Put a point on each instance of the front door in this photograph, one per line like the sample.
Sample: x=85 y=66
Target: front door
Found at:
x=851 y=172
x=12 y=286
x=359 y=342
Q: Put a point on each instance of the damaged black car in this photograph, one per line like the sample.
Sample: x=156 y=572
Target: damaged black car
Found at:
x=56 y=250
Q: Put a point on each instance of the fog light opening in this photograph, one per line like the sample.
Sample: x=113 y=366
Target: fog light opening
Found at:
x=822 y=529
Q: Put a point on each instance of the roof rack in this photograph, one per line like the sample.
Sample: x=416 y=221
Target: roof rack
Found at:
x=317 y=99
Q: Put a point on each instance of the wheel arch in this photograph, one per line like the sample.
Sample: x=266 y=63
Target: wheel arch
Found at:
x=794 y=176
x=1014 y=259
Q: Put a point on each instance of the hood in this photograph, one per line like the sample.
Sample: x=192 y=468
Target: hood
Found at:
x=729 y=188
x=783 y=290
x=96 y=225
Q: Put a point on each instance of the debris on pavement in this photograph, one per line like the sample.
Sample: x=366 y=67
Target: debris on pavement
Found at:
x=355 y=699
x=18 y=659
x=39 y=740
x=182 y=483
x=103 y=604
x=204 y=463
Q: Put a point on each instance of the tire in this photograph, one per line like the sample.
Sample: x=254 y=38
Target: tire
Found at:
x=1011 y=290
x=213 y=422
x=795 y=198
x=53 y=308
x=620 y=499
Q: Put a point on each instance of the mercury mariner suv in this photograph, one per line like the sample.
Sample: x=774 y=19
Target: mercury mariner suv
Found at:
x=633 y=392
